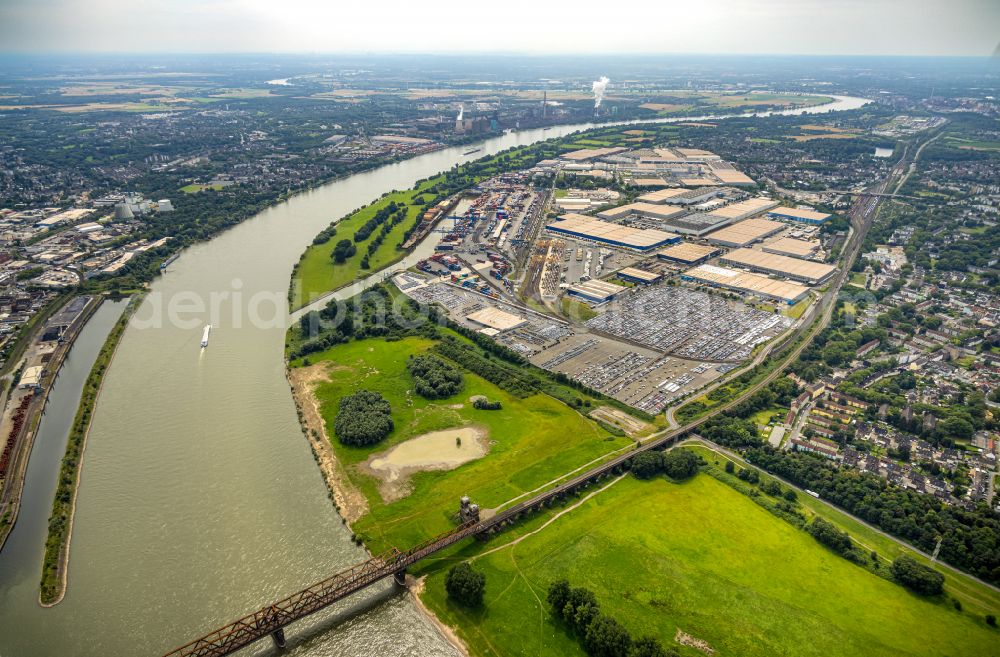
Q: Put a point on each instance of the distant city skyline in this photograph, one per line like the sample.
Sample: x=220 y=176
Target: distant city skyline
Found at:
x=807 y=27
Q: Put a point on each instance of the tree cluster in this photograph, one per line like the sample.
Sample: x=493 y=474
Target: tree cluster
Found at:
x=465 y=585
x=827 y=533
x=434 y=378
x=602 y=635
x=343 y=250
x=677 y=464
x=363 y=418
x=484 y=404
x=917 y=577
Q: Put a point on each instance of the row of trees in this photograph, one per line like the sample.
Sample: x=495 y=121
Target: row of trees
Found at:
x=363 y=418
x=602 y=635
x=434 y=378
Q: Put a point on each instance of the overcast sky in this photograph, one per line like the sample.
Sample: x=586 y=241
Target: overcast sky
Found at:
x=850 y=27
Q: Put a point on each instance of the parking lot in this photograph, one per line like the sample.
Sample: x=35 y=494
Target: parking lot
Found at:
x=634 y=375
x=689 y=323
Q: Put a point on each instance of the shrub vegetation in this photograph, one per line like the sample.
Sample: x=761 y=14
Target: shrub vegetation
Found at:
x=364 y=418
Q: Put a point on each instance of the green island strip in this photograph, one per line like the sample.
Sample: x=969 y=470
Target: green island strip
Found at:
x=702 y=562
x=55 y=562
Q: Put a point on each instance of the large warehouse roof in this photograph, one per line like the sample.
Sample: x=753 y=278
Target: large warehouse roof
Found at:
x=800 y=270
x=801 y=214
x=596 y=290
x=495 y=318
x=680 y=196
x=661 y=195
x=745 y=208
x=639 y=275
x=645 y=209
x=604 y=231
x=688 y=252
x=747 y=282
x=792 y=247
x=745 y=232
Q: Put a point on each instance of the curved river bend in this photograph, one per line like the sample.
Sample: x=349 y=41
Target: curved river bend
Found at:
x=200 y=499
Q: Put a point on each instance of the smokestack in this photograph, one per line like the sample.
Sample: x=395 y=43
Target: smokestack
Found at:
x=598 y=87
x=545 y=101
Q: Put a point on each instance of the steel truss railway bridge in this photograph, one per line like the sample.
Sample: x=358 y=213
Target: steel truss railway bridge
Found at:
x=272 y=619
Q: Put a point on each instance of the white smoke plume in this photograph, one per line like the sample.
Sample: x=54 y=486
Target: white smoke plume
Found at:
x=461 y=112
x=598 y=87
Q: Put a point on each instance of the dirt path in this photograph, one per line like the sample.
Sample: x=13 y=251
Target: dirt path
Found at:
x=349 y=500
x=552 y=519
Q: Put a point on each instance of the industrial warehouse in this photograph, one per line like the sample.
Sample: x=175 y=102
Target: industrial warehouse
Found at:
x=687 y=253
x=745 y=282
x=799 y=214
x=588 y=228
x=641 y=276
x=596 y=291
x=636 y=297
x=789 y=246
x=651 y=210
x=746 y=232
x=804 y=271
x=679 y=196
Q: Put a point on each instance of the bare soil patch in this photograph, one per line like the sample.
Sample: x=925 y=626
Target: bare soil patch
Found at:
x=616 y=418
x=437 y=450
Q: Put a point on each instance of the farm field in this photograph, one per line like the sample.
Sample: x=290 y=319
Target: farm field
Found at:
x=316 y=273
x=703 y=558
x=530 y=441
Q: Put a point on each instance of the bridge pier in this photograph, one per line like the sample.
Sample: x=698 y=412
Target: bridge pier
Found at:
x=278 y=636
x=400 y=577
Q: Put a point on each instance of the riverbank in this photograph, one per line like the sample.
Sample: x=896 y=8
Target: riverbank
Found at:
x=14 y=486
x=55 y=564
x=349 y=501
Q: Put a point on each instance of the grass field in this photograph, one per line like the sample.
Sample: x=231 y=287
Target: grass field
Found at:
x=975 y=597
x=799 y=308
x=316 y=273
x=701 y=557
x=533 y=440
x=194 y=188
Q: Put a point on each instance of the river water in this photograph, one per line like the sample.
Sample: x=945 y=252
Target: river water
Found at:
x=199 y=499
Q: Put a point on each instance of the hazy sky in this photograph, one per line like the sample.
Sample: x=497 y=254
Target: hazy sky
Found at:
x=896 y=27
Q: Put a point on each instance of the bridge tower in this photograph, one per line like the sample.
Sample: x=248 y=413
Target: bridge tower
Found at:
x=467 y=511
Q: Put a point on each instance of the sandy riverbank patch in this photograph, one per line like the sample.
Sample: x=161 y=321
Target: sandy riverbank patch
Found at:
x=349 y=500
x=437 y=450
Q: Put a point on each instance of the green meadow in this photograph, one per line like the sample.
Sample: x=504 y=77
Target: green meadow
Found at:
x=532 y=441
x=700 y=557
x=316 y=274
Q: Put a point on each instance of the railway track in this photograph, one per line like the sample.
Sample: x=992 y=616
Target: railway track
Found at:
x=272 y=619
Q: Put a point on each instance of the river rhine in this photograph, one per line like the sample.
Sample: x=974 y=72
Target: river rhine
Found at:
x=199 y=499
